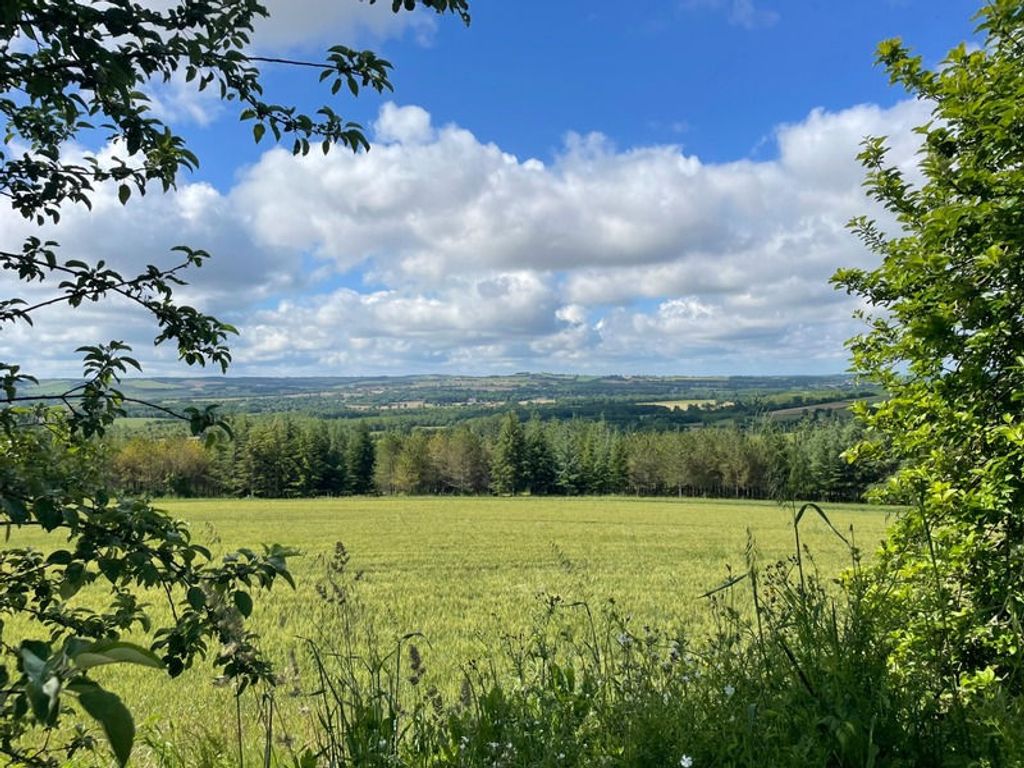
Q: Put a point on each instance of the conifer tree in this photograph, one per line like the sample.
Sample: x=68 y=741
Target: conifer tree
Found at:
x=508 y=460
x=361 y=455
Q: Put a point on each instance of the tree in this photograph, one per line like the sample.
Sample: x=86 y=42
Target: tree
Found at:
x=565 y=453
x=540 y=461
x=70 y=70
x=360 y=462
x=461 y=460
x=385 y=467
x=416 y=471
x=675 y=457
x=644 y=463
x=946 y=340
x=508 y=459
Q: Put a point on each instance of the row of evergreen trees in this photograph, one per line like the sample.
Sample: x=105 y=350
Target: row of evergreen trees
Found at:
x=286 y=457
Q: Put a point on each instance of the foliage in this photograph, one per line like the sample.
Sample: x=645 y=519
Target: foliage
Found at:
x=49 y=481
x=73 y=74
x=946 y=340
x=360 y=459
x=508 y=459
x=283 y=457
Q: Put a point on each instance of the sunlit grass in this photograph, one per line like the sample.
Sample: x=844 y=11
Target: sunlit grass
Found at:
x=463 y=571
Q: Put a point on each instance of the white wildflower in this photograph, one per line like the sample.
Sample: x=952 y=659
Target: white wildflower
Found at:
x=729 y=690
x=685 y=761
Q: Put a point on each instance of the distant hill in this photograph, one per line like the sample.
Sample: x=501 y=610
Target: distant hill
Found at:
x=435 y=399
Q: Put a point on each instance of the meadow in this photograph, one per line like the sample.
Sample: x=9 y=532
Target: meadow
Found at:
x=466 y=572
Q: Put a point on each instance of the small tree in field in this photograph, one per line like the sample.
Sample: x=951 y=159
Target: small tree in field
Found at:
x=67 y=69
x=946 y=340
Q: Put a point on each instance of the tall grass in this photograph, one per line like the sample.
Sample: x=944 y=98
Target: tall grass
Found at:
x=795 y=672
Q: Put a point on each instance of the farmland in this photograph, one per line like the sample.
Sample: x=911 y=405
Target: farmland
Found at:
x=463 y=571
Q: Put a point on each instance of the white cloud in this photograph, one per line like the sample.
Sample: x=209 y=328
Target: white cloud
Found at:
x=741 y=13
x=318 y=22
x=314 y=23
x=403 y=125
x=438 y=251
x=177 y=101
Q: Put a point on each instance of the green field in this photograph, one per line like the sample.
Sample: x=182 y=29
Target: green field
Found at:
x=465 y=570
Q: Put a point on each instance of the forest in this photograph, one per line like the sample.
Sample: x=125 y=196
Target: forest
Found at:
x=288 y=457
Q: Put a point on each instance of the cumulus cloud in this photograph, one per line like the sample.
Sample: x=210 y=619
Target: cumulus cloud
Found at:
x=436 y=251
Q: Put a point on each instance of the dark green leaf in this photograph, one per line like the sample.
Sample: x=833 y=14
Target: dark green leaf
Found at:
x=112 y=715
x=243 y=602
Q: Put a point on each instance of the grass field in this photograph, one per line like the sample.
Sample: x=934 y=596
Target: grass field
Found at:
x=683 y=405
x=465 y=570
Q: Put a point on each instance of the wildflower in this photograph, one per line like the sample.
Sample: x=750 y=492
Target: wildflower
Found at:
x=685 y=761
x=729 y=690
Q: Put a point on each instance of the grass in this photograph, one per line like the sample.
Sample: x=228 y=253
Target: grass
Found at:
x=464 y=571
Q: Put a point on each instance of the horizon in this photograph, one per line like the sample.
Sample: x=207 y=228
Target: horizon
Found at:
x=698 y=376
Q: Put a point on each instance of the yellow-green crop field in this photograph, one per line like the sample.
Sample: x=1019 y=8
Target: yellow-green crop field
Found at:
x=682 y=405
x=463 y=571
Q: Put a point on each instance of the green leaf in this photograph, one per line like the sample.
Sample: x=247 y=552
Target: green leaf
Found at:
x=243 y=602
x=59 y=557
x=33 y=658
x=15 y=509
x=196 y=598
x=44 y=698
x=116 y=652
x=111 y=568
x=74 y=580
x=112 y=715
x=123 y=193
x=47 y=513
x=42 y=687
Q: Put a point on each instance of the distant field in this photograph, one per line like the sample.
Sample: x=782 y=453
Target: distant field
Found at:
x=682 y=405
x=464 y=570
x=800 y=411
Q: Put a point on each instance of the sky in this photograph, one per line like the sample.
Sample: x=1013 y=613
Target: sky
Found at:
x=658 y=186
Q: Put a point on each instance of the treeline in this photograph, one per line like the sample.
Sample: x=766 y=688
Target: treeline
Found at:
x=287 y=457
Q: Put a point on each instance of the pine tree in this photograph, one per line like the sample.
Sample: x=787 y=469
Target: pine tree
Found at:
x=540 y=461
x=361 y=455
x=508 y=460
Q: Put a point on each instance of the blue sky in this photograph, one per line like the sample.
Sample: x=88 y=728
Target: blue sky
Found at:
x=655 y=186
x=715 y=76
